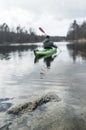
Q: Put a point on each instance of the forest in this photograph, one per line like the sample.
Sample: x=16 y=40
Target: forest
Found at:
x=21 y=35
x=76 y=31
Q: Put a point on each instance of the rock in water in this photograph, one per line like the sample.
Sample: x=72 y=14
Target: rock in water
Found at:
x=32 y=105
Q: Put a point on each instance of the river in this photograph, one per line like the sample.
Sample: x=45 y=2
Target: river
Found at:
x=64 y=73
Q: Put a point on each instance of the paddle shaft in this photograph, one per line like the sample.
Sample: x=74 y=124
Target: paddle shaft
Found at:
x=41 y=29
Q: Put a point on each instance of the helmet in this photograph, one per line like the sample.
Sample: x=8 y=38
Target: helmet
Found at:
x=47 y=36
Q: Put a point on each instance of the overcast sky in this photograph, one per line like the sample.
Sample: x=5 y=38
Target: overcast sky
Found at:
x=54 y=16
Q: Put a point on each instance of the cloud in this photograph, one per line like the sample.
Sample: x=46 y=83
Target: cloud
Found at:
x=53 y=15
x=60 y=9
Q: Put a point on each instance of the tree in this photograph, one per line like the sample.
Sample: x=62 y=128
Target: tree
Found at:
x=18 y=29
x=31 y=31
x=73 y=31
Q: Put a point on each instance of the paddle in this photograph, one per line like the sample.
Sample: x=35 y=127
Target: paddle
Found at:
x=42 y=30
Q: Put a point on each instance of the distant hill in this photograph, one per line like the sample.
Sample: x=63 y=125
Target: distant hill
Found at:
x=58 y=38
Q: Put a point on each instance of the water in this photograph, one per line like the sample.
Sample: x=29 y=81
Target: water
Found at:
x=21 y=77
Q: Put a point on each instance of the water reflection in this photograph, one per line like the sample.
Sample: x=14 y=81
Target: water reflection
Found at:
x=48 y=60
x=5 y=106
x=77 y=50
x=6 y=50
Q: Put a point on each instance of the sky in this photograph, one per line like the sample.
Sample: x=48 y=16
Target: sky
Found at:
x=54 y=16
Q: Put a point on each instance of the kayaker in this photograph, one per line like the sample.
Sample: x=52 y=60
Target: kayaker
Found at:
x=47 y=43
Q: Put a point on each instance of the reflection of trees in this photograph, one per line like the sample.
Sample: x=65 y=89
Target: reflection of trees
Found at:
x=5 y=50
x=76 y=50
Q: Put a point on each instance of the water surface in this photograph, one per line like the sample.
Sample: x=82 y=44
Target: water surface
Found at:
x=21 y=77
x=64 y=73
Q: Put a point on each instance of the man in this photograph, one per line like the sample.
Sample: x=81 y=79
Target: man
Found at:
x=47 y=43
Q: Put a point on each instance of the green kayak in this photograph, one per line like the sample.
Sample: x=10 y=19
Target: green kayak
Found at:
x=45 y=52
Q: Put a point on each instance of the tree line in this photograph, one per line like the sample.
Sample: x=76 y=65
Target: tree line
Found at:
x=76 y=31
x=21 y=35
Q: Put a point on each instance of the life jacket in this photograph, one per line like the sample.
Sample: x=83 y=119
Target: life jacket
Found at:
x=47 y=43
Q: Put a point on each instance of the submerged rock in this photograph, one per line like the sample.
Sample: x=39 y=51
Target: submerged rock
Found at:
x=33 y=104
x=6 y=126
x=5 y=106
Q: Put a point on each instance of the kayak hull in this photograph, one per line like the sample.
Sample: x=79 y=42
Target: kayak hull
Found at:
x=45 y=52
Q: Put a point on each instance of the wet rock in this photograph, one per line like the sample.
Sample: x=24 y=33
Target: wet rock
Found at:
x=49 y=97
x=28 y=106
x=24 y=128
x=5 y=127
x=33 y=104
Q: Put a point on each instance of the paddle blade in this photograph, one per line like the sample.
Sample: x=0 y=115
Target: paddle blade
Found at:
x=41 y=30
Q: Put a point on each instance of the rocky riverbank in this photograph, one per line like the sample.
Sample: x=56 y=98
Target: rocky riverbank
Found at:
x=45 y=112
x=26 y=111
